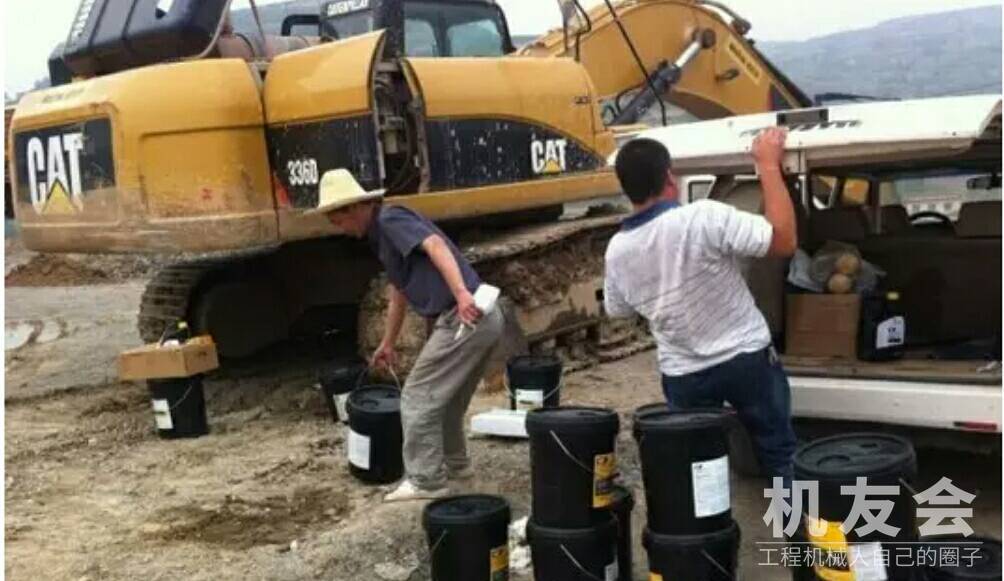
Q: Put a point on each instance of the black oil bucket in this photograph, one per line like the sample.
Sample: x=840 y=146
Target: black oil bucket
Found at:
x=534 y=381
x=648 y=409
x=685 y=466
x=337 y=382
x=375 y=436
x=708 y=557
x=576 y=554
x=468 y=537
x=620 y=508
x=979 y=558
x=179 y=407
x=573 y=464
x=833 y=462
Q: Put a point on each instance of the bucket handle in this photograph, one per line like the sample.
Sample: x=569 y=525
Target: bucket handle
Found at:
x=365 y=373
x=717 y=565
x=561 y=382
x=427 y=558
x=578 y=565
x=397 y=380
x=191 y=386
x=435 y=547
x=571 y=456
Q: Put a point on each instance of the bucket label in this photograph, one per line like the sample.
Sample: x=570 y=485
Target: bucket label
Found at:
x=162 y=414
x=359 y=450
x=890 y=333
x=866 y=562
x=612 y=571
x=826 y=535
x=711 y=486
x=529 y=399
x=604 y=470
x=499 y=564
x=340 y=400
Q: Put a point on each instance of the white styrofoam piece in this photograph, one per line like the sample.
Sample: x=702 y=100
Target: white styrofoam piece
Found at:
x=500 y=422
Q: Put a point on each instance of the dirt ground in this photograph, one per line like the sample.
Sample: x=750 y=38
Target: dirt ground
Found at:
x=92 y=492
x=24 y=268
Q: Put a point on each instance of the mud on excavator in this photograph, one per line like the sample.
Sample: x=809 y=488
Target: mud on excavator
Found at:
x=178 y=135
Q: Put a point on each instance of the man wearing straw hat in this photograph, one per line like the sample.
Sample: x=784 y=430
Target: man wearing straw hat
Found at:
x=427 y=272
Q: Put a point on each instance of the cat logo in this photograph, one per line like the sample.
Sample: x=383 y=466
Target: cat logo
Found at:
x=54 y=173
x=347 y=6
x=547 y=156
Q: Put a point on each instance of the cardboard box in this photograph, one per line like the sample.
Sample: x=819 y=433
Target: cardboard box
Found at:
x=822 y=325
x=197 y=355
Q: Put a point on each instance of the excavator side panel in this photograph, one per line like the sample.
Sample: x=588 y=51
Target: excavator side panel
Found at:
x=320 y=109
x=163 y=158
x=507 y=134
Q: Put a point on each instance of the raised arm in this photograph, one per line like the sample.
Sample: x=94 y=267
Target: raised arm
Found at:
x=768 y=152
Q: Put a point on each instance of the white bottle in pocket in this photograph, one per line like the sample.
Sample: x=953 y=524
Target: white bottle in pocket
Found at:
x=485 y=299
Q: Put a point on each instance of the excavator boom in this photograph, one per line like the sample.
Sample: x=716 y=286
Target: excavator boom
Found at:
x=622 y=44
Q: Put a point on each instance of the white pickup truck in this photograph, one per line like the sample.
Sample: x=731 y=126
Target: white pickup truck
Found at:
x=862 y=173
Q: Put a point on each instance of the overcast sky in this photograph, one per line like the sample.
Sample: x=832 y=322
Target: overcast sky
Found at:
x=33 y=28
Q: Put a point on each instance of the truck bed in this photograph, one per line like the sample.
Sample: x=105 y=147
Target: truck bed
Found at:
x=914 y=368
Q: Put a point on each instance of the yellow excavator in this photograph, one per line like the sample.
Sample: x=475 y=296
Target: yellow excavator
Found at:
x=169 y=132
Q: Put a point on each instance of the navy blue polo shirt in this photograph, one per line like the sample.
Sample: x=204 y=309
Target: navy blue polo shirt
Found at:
x=396 y=235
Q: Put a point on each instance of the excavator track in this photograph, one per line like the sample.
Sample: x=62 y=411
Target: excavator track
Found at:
x=551 y=275
x=174 y=289
x=167 y=297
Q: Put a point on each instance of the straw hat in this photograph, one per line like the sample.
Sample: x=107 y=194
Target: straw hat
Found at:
x=339 y=189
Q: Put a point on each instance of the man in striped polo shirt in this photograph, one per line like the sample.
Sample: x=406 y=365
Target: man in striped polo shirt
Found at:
x=679 y=267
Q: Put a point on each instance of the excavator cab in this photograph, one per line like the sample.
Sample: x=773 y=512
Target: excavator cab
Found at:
x=423 y=28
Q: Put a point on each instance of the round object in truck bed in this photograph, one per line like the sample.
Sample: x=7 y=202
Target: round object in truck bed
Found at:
x=848 y=264
x=840 y=284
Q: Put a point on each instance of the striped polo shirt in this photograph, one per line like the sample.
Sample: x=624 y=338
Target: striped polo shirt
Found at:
x=679 y=268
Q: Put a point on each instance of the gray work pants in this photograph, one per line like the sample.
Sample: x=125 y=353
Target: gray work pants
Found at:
x=437 y=393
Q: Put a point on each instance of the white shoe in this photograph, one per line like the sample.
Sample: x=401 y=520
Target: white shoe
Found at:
x=407 y=490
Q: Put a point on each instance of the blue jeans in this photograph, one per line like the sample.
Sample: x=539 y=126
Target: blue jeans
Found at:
x=756 y=386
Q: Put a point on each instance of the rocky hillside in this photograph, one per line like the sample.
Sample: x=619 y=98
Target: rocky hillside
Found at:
x=950 y=53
